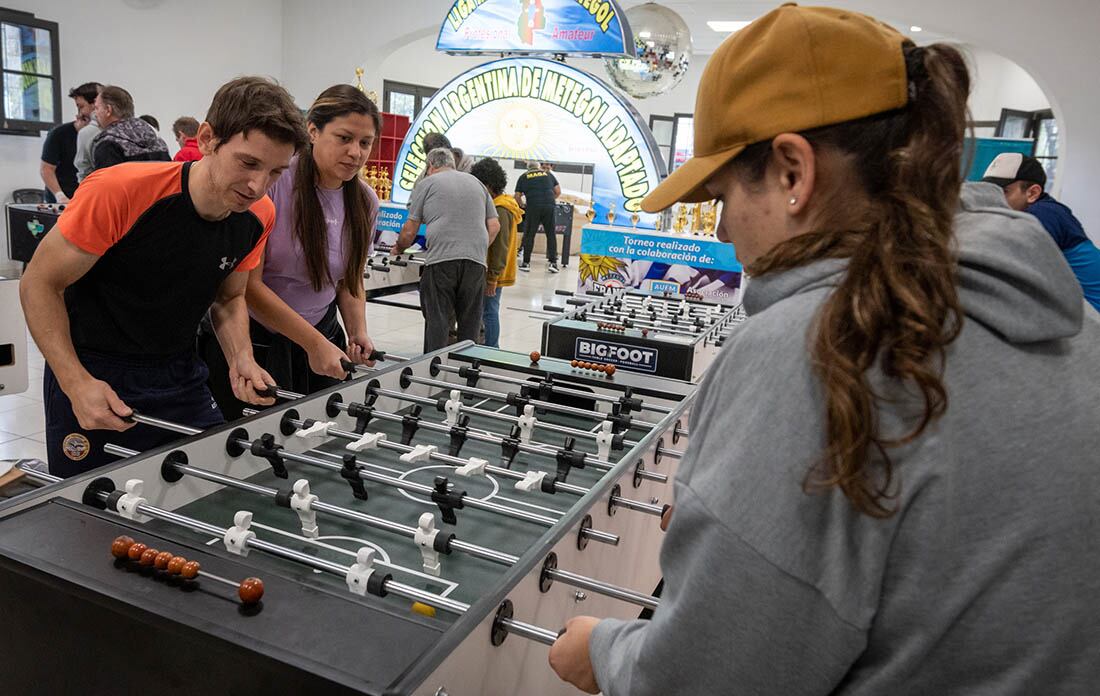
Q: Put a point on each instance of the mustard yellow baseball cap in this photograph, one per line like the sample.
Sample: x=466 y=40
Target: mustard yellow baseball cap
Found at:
x=793 y=69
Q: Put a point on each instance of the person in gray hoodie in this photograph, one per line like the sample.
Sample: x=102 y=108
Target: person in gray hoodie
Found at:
x=122 y=137
x=893 y=479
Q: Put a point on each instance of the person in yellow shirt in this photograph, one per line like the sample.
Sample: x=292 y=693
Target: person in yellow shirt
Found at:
x=501 y=261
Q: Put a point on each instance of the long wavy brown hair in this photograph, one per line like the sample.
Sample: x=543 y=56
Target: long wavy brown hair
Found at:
x=309 y=216
x=897 y=307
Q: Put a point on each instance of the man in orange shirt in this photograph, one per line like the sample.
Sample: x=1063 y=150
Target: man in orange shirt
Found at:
x=116 y=290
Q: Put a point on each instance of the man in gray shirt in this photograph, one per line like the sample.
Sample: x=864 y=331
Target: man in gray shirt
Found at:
x=461 y=220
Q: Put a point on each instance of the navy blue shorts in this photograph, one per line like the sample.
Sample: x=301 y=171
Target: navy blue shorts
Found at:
x=171 y=388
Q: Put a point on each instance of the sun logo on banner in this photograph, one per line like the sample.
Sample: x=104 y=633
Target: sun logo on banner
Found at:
x=600 y=268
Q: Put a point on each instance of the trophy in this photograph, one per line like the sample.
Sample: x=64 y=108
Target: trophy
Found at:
x=611 y=215
x=681 y=219
x=591 y=212
x=634 y=217
x=696 y=218
x=657 y=223
x=711 y=219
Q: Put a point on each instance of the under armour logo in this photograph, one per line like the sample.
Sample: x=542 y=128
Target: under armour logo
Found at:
x=226 y=263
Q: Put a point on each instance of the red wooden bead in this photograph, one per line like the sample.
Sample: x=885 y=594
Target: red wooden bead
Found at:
x=190 y=569
x=175 y=565
x=251 y=590
x=135 y=551
x=573 y=363
x=120 y=546
x=161 y=561
x=148 y=556
x=535 y=356
x=610 y=370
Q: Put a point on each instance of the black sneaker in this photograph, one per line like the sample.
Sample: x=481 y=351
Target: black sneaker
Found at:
x=525 y=267
x=553 y=267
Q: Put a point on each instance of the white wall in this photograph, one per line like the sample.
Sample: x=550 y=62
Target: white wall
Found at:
x=1000 y=83
x=171 y=57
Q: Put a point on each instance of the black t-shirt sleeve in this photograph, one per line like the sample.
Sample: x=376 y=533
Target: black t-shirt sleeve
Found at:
x=521 y=185
x=553 y=181
x=51 y=149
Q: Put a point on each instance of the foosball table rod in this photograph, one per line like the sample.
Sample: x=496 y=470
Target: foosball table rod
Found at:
x=174 y=463
x=361 y=578
x=513 y=399
x=634 y=403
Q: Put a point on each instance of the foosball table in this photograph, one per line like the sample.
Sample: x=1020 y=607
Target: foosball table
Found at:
x=426 y=528
x=676 y=337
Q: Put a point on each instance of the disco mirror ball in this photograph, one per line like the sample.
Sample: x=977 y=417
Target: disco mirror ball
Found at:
x=662 y=47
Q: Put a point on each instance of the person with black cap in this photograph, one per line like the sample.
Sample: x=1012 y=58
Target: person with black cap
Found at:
x=891 y=484
x=1023 y=180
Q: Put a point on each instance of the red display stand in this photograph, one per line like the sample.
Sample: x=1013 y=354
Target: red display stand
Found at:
x=384 y=154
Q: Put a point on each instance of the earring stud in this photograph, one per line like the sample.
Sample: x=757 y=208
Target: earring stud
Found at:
x=793 y=200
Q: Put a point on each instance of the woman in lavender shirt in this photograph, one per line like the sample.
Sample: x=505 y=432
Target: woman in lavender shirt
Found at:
x=312 y=269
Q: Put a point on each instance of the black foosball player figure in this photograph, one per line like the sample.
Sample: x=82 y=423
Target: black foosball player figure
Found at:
x=116 y=290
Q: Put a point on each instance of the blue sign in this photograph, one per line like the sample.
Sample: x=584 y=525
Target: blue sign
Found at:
x=636 y=358
x=577 y=27
x=536 y=109
x=388 y=226
x=659 y=248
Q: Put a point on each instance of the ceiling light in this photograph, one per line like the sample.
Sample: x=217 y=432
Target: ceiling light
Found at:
x=915 y=28
x=724 y=27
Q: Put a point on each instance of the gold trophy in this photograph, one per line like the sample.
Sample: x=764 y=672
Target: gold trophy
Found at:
x=591 y=212
x=697 y=218
x=681 y=219
x=657 y=223
x=634 y=217
x=611 y=215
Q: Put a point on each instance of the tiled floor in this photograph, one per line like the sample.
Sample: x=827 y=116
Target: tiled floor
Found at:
x=394 y=329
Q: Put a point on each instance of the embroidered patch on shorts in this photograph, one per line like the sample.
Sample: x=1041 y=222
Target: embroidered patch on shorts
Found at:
x=76 y=446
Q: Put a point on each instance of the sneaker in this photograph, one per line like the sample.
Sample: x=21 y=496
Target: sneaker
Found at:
x=554 y=267
x=525 y=267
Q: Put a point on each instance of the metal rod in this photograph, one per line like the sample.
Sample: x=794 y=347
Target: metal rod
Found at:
x=485 y=436
x=546 y=405
x=526 y=630
x=555 y=388
x=656 y=510
x=413 y=487
x=652 y=476
x=119 y=451
x=36 y=475
x=603 y=588
x=666 y=452
x=164 y=425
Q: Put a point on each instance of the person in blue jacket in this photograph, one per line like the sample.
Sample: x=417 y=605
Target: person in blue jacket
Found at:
x=1023 y=181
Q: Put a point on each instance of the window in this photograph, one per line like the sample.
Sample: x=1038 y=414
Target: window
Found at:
x=405 y=99
x=662 y=127
x=1037 y=126
x=29 y=73
x=683 y=140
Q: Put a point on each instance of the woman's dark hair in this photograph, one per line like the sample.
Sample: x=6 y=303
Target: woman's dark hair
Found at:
x=309 y=218
x=490 y=173
x=897 y=306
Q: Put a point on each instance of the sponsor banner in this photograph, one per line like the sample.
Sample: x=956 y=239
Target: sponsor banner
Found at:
x=659 y=263
x=535 y=109
x=636 y=358
x=577 y=27
x=388 y=226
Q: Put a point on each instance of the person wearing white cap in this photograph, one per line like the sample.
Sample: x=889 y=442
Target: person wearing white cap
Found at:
x=891 y=484
x=1023 y=180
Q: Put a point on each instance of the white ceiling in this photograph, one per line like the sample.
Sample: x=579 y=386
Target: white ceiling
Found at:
x=705 y=40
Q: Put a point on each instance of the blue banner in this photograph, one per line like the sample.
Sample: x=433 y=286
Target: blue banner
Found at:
x=388 y=226
x=575 y=27
x=673 y=250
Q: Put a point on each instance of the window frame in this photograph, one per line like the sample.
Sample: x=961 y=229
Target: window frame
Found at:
x=420 y=93
x=23 y=126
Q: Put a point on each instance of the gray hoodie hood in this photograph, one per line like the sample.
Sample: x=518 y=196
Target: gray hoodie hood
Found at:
x=1012 y=278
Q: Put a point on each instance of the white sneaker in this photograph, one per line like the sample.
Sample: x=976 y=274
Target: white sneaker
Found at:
x=525 y=267
x=554 y=267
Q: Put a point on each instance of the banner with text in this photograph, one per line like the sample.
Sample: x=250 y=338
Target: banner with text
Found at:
x=575 y=27
x=535 y=109
x=659 y=263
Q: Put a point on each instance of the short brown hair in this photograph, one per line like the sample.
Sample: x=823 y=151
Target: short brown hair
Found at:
x=186 y=125
x=120 y=101
x=256 y=103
